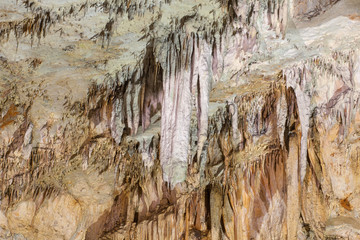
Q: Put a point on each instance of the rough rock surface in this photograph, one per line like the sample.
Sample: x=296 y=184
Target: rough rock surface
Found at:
x=181 y=119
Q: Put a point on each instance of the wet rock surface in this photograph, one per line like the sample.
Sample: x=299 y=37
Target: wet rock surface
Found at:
x=220 y=119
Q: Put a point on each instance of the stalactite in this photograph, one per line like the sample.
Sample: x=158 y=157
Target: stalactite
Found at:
x=299 y=79
x=175 y=121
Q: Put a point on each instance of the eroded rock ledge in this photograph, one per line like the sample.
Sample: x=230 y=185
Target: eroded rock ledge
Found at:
x=220 y=119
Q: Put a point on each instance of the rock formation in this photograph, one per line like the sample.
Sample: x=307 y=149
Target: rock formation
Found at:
x=179 y=119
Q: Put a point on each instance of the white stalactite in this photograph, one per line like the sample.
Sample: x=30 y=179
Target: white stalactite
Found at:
x=298 y=78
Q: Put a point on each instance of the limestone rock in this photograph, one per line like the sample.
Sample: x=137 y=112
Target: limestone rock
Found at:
x=179 y=119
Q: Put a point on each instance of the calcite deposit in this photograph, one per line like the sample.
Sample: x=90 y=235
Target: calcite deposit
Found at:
x=179 y=119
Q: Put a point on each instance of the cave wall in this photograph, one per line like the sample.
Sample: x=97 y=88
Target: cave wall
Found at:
x=216 y=120
x=310 y=9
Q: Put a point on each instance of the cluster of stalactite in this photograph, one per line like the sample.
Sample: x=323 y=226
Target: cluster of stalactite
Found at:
x=183 y=67
x=256 y=168
x=242 y=16
x=169 y=84
x=39 y=24
x=328 y=117
x=225 y=204
x=221 y=206
x=44 y=17
x=274 y=13
x=192 y=63
x=130 y=8
x=133 y=97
